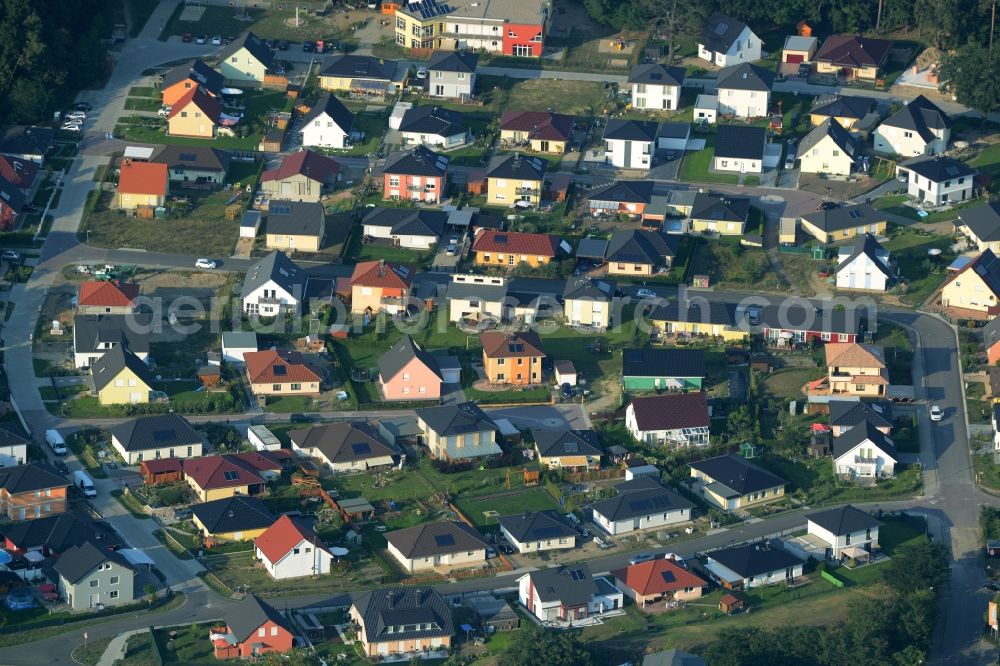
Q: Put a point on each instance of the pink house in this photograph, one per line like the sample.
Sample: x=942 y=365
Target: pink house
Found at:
x=407 y=372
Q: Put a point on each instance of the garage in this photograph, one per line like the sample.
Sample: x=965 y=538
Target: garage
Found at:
x=673 y=136
x=795 y=58
x=798 y=50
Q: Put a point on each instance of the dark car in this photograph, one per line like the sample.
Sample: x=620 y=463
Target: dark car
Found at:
x=308 y=47
x=299 y=418
x=282 y=45
x=567 y=390
x=61 y=467
x=187 y=37
x=227 y=40
x=804 y=70
x=828 y=205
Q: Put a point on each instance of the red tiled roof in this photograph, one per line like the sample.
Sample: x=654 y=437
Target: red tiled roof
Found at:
x=382 y=274
x=143 y=178
x=305 y=162
x=657 y=577
x=511 y=345
x=261 y=365
x=161 y=465
x=514 y=242
x=227 y=471
x=538 y=124
x=19 y=173
x=206 y=103
x=282 y=536
x=107 y=294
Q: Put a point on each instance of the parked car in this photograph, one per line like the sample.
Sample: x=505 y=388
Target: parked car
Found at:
x=282 y=45
x=11 y=255
x=61 y=467
x=164 y=111
x=308 y=47
x=82 y=106
x=567 y=390
x=646 y=293
x=201 y=39
x=490 y=553
x=451 y=250
x=639 y=558
x=217 y=40
x=70 y=127
x=205 y=263
x=76 y=115
x=790 y=158
x=936 y=413
x=421 y=73
x=187 y=37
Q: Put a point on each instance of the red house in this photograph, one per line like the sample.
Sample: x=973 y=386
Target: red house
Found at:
x=419 y=174
x=523 y=39
x=252 y=629
x=11 y=202
x=797 y=323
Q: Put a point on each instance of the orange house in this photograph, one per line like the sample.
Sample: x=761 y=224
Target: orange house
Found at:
x=991 y=340
x=512 y=358
x=378 y=286
x=179 y=80
x=142 y=184
x=253 y=628
x=513 y=248
x=407 y=372
x=196 y=114
x=34 y=490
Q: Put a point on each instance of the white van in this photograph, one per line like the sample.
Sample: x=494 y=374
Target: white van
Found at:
x=56 y=442
x=83 y=482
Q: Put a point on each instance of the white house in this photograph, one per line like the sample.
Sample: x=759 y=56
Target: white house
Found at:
x=751 y=565
x=273 y=285
x=567 y=593
x=288 y=549
x=863 y=265
x=845 y=530
x=937 y=180
x=671 y=419
x=477 y=297
x=535 y=531
x=656 y=86
x=744 y=91
x=641 y=503
x=828 y=149
x=629 y=144
x=328 y=124
x=452 y=74
x=437 y=546
x=739 y=149
x=13 y=449
x=726 y=41
x=433 y=126
x=864 y=452
x=919 y=128
x=411 y=228
x=237 y=343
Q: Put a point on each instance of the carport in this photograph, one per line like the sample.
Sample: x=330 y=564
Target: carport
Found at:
x=772 y=155
x=592 y=248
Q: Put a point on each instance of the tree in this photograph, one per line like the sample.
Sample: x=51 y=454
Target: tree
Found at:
x=972 y=74
x=534 y=646
x=150 y=591
x=940 y=21
x=676 y=19
x=918 y=566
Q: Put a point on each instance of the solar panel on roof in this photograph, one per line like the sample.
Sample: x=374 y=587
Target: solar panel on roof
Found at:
x=189 y=157
x=361 y=448
x=515 y=348
x=655 y=76
x=720 y=28
x=571 y=447
x=500 y=238
x=280 y=209
x=231 y=474
x=577 y=574
x=855 y=214
x=164 y=435
x=546 y=532
x=668 y=576
x=444 y=540
x=280 y=370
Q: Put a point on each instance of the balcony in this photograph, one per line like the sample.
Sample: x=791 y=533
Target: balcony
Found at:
x=864 y=460
x=527 y=190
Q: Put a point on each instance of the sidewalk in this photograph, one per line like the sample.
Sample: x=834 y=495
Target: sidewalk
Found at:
x=116 y=648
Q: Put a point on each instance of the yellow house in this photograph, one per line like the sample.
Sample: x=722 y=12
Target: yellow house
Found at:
x=274 y=373
x=543 y=132
x=721 y=214
x=513 y=178
x=638 y=252
x=142 y=184
x=417 y=31
x=196 y=114
x=732 y=482
x=976 y=287
x=513 y=248
x=238 y=518
x=844 y=223
x=852 y=56
x=121 y=378
x=856 y=369
x=699 y=317
x=359 y=72
x=587 y=301
x=295 y=225
x=219 y=477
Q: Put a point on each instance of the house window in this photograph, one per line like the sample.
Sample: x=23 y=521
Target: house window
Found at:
x=275 y=387
x=119 y=383
x=296 y=387
x=113 y=594
x=500 y=361
x=262 y=632
x=114 y=580
x=406 y=376
x=95 y=583
x=295 y=551
x=274 y=631
x=393 y=181
x=848 y=539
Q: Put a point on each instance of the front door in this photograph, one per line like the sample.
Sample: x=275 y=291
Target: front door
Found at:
x=95 y=598
x=135 y=397
x=543 y=146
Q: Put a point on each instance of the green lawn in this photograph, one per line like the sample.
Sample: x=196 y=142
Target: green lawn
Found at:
x=241 y=568
x=923 y=273
x=142 y=104
x=190 y=645
x=695 y=165
x=291 y=404
x=787 y=383
x=814 y=481
x=357 y=250
x=266 y=23
x=979 y=409
x=139 y=651
x=894 y=205
x=91 y=653
x=528 y=499
x=730 y=265
x=895 y=533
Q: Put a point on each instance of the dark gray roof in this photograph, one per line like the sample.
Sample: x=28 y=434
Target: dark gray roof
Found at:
x=663 y=363
x=938 y=168
x=657 y=75
x=552 y=443
x=400 y=355
x=720 y=207
x=740 y=142
x=278 y=267
x=696 y=311
x=639 y=246
x=516 y=167
x=745 y=77
x=26 y=140
x=738 y=474
x=360 y=67
x=131 y=330
x=572 y=584
x=594 y=289
x=671 y=411
x=844 y=520
x=343 y=442
x=754 y=559
x=624 y=191
x=537 y=525
x=674 y=130
x=982 y=220
x=800 y=317
x=246 y=617
x=845 y=217
x=991 y=334
x=453 y=61
x=433 y=120
x=78 y=561
x=296 y=218
x=59 y=532
x=199 y=72
x=920 y=115
x=833 y=129
x=860 y=433
x=421 y=161
x=868 y=246
x=108 y=366
x=254 y=45
x=334 y=109
x=417 y=607
x=408 y=221
x=630 y=130
x=30 y=477
x=196 y=158
x=233 y=514
x=156 y=432
x=842 y=106
x=592 y=248
x=721 y=32
x=491 y=293
x=852 y=412
x=436 y=539
x=10 y=438
x=457 y=419
x=640 y=497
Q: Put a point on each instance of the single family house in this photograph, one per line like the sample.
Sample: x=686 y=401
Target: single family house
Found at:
x=674 y=419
